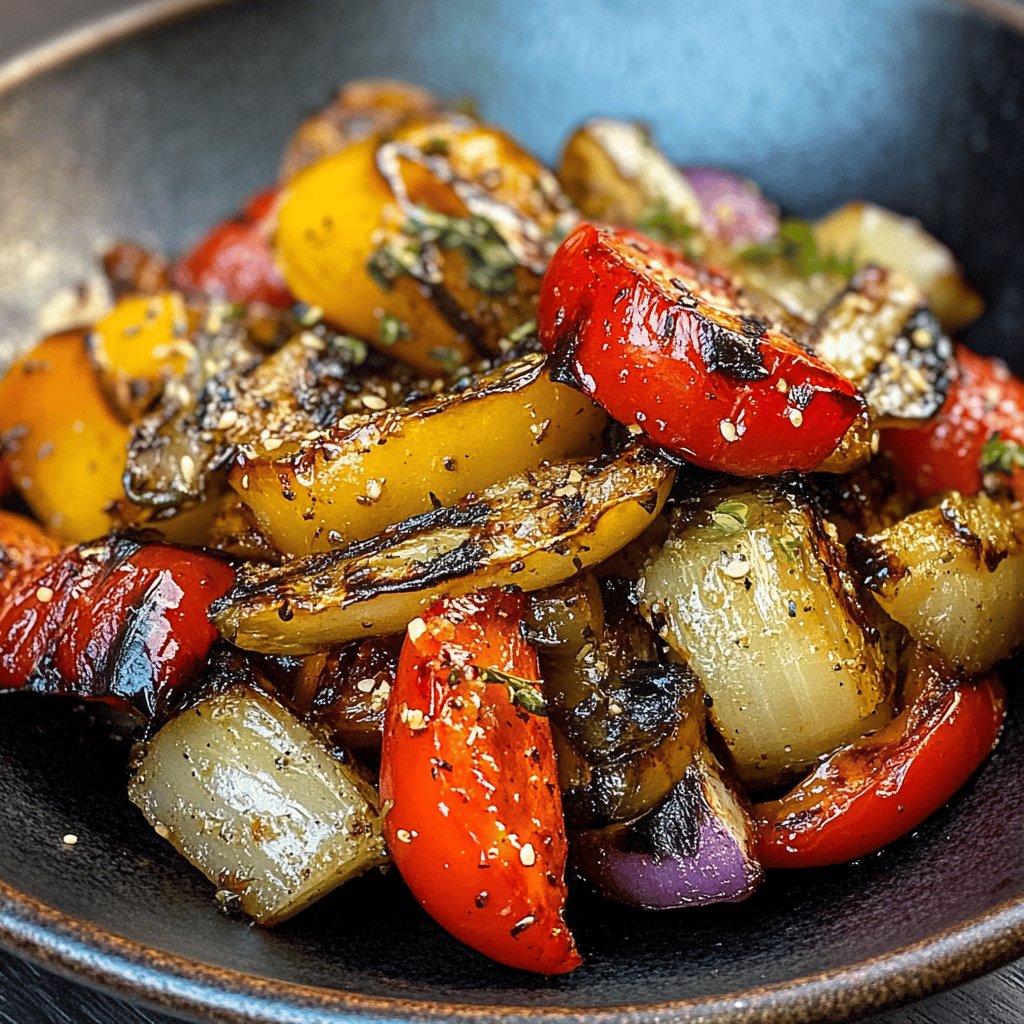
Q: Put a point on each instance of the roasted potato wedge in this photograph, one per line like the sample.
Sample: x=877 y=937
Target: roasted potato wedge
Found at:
x=251 y=797
x=752 y=591
x=880 y=334
x=953 y=575
x=532 y=531
x=361 y=108
x=872 y=234
x=428 y=243
x=613 y=172
x=373 y=470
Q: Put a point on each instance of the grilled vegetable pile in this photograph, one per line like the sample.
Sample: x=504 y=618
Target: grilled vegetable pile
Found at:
x=520 y=528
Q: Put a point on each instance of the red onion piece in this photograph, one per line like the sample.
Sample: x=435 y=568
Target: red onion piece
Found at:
x=735 y=211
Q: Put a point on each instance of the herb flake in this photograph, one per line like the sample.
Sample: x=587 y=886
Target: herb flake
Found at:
x=392 y=330
x=666 y=225
x=1000 y=455
x=729 y=518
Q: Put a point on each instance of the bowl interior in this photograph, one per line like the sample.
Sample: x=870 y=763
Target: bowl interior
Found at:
x=912 y=104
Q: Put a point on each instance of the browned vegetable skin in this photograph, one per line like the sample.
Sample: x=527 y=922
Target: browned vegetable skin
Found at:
x=626 y=722
x=533 y=531
x=953 y=575
x=352 y=481
x=752 y=591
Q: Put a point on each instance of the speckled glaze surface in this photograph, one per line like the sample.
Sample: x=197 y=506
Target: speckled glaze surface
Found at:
x=914 y=103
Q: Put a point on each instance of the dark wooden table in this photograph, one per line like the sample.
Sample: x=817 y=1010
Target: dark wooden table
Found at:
x=30 y=995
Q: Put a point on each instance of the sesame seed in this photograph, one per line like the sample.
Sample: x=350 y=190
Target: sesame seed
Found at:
x=245 y=481
x=366 y=685
x=188 y=469
x=728 y=429
x=414 y=718
x=403 y=835
x=374 y=402
x=416 y=629
x=228 y=418
x=614 y=709
x=162 y=830
x=796 y=417
x=44 y=594
x=921 y=337
x=527 y=857
x=783 y=386
x=374 y=488
x=70 y=839
x=272 y=443
x=736 y=568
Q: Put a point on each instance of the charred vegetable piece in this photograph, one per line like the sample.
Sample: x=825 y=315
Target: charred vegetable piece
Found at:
x=864 y=502
x=428 y=242
x=752 y=590
x=350 y=482
x=234 y=261
x=979 y=430
x=136 y=348
x=63 y=444
x=869 y=793
x=360 y=109
x=733 y=209
x=872 y=234
x=695 y=849
x=346 y=690
x=626 y=723
x=253 y=799
x=114 y=621
x=469 y=769
x=953 y=575
x=613 y=172
x=666 y=347
x=234 y=532
x=532 y=531
x=879 y=334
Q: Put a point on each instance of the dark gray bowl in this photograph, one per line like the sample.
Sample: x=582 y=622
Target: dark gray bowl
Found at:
x=913 y=103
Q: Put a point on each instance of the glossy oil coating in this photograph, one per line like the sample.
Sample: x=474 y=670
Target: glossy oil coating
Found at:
x=914 y=104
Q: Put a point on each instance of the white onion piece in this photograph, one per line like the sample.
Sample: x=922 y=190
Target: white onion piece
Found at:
x=247 y=793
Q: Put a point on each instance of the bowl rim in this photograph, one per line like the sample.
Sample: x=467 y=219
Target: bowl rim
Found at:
x=133 y=970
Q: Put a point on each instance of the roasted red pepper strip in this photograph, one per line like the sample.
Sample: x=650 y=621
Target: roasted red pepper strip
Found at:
x=112 y=621
x=871 y=792
x=475 y=823
x=663 y=344
x=946 y=453
x=234 y=260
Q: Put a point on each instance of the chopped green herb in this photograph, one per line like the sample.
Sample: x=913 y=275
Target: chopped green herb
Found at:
x=491 y=263
x=357 y=349
x=1001 y=456
x=666 y=225
x=729 y=517
x=522 y=692
x=795 y=243
x=789 y=546
x=449 y=359
x=393 y=330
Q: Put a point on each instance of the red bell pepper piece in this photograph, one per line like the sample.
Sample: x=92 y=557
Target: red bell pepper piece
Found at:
x=475 y=821
x=945 y=454
x=114 y=621
x=234 y=261
x=870 y=792
x=664 y=344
